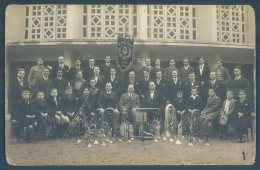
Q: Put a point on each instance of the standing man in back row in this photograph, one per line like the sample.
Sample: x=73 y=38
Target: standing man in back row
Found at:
x=168 y=71
x=185 y=71
x=105 y=68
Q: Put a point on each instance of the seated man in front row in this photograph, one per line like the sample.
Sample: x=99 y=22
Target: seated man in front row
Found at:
x=24 y=118
x=109 y=99
x=128 y=102
x=210 y=112
x=154 y=99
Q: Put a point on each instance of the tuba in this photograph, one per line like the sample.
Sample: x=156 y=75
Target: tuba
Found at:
x=171 y=122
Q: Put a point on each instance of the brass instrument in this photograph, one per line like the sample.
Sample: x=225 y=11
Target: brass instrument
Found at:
x=180 y=126
x=155 y=126
x=94 y=133
x=76 y=121
x=192 y=124
x=108 y=131
x=127 y=131
x=171 y=122
x=102 y=136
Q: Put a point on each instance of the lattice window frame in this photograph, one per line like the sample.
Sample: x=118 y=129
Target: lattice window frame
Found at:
x=52 y=25
x=111 y=22
x=231 y=26
x=172 y=26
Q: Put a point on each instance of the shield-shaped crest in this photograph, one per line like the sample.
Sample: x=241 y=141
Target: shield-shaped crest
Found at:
x=125 y=47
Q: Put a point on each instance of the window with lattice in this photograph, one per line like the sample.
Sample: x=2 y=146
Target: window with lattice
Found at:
x=106 y=21
x=231 y=23
x=171 y=22
x=45 y=22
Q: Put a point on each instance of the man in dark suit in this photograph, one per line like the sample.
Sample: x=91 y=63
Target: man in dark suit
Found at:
x=138 y=68
x=89 y=69
x=174 y=85
x=60 y=65
x=105 y=68
x=148 y=64
x=242 y=117
x=156 y=68
x=161 y=84
x=73 y=70
x=131 y=80
x=202 y=71
x=218 y=87
x=168 y=71
x=221 y=72
x=144 y=83
x=228 y=110
x=60 y=83
x=154 y=99
x=44 y=84
x=115 y=80
x=209 y=113
x=17 y=86
x=191 y=84
x=128 y=102
x=107 y=99
x=98 y=78
x=185 y=71
x=238 y=83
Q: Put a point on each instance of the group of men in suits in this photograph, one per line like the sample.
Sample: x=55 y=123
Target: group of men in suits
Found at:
x=142 y=86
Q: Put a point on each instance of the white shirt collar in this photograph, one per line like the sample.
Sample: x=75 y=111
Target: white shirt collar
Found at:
x=186 y=67
x=237 y=78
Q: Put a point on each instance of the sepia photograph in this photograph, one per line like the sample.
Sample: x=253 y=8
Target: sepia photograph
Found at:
x=127 y=84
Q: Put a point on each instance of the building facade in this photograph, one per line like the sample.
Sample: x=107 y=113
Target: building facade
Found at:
x=165 y=31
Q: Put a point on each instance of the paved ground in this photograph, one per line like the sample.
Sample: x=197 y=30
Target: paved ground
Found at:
x=68 y=152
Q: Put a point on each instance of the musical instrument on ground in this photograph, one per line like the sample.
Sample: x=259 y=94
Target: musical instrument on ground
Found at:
x=155 y=128
x=180 y=126
x=171 y=122
x=193 y=123
x=107 y=131
x=79 y=118
x=105 y=115
x=127 y=131
x=140 y=120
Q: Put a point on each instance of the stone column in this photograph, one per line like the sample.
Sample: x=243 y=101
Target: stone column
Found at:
x=142 y=22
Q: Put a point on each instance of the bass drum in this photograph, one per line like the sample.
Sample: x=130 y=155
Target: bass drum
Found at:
x=126 y=130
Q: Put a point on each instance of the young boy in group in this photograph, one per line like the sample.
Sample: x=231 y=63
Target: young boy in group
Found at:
x=25 y=116
x=194 y=105
x=179 y=104
x=69 y=103
x=54 y=105
x=41 y=111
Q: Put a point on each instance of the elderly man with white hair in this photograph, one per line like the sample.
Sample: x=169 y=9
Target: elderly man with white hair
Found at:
x=61 y=65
